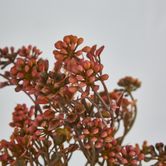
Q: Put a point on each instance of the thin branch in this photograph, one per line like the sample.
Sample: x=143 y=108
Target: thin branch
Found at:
x=126 y=131
x=106 y=91
x=86 y=153
x=93 y=155
x=101 y=116
x=102 y=101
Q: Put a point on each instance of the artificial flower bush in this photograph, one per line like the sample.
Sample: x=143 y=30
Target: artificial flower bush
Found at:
x=72 y=110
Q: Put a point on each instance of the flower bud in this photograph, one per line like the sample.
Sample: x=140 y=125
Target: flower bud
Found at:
x=80 y=41
x=104 y=134
x=95 y=131
x=86 y=65
x=86 y=49
x=108 y=139
x=98 y=145
x=104 y=77
x=78 y=53
x=86 y=131
x=72 y=80
x=92 y=79
x=89 y=72
x=94 y=139
x=66 y=39
x=58 y=45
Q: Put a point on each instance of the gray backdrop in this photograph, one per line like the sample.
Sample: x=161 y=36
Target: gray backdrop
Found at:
x=134 y=35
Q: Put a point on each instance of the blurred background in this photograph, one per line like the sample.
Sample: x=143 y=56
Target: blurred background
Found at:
x=134 y=35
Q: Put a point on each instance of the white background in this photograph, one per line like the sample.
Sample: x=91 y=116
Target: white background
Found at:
x=134 y=35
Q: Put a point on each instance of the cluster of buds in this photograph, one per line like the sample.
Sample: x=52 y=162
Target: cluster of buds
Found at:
x=86 y=76
x=29 y=52
x=94 y=132
x=120 y=102
x=126 y=155
x=155 y=153
x=22 y=116
x=52 y=87
x=129 y=83
x=27 y=69
x=69 y=111
x=47 y=123
x=66 y=49
x=23 y=121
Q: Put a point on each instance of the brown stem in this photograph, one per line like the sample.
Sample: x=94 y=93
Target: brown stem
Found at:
x=102 y=101
x=126 y=131
x=107 y=108
x=106 y=91
x=85 y=152
x=93 y=154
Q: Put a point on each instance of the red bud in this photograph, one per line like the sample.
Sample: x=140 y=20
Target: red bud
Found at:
x=104 y=77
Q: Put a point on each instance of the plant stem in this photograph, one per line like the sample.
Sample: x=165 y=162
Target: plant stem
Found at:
x=126 y=131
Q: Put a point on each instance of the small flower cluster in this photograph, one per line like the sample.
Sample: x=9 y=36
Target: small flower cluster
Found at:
x=126 y=155
x=95 y=136
x=52 y=88
x=94 y=132
x=129 y=83
x=66 y=49
x=38 y=127
x=69 y=112
x=155 y=153
x=27 y=68
x=22 y=116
